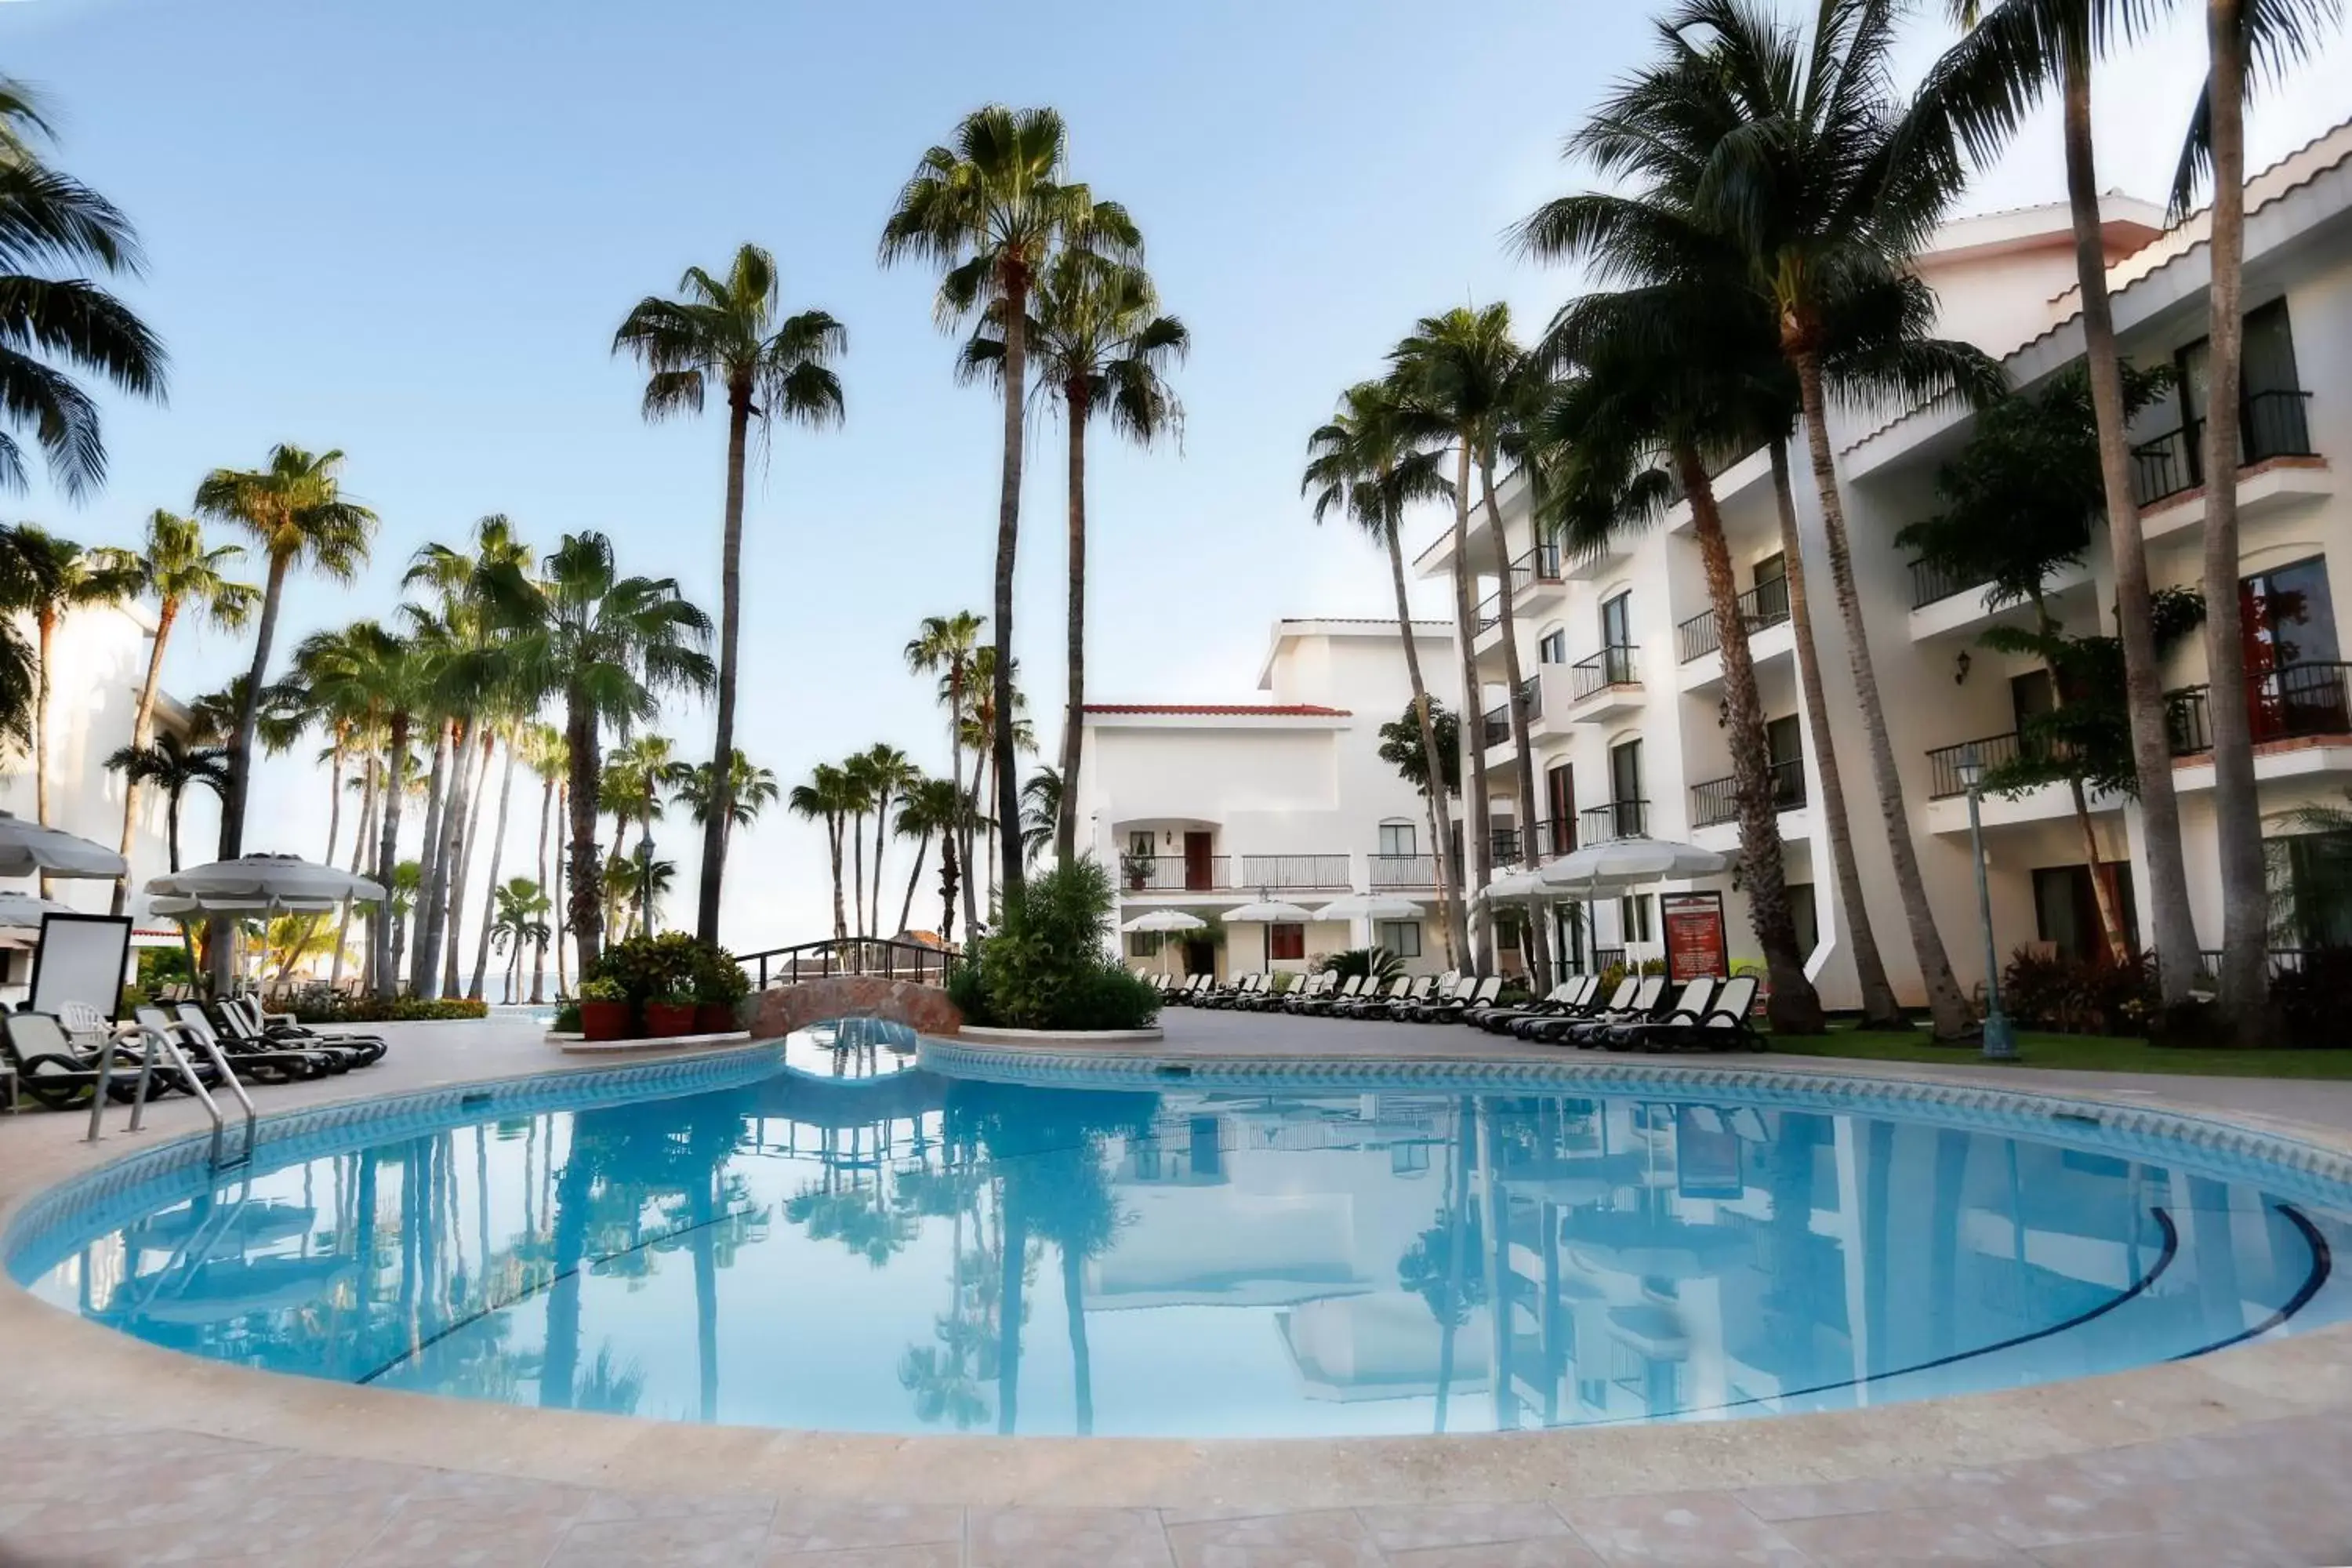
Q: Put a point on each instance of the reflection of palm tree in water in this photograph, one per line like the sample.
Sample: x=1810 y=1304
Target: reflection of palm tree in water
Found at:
x=1453 y=1293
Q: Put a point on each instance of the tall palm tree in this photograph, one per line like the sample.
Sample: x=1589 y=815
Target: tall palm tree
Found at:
x=931 y=809
x=172 y=766
x=1788 y=149
x=724 y=334
x=889 y=774
x=750 y=789
x=608 y=646
x=518 y=919
x=989 y=209
x=945 y=645
x=1365 y=462
x=502 y=726
x=1040 y=811
x=1102 y=346
x=979 y=729
x=382 y=676
x=69 y=579
x=639 y=777
x=1461 y=374
x=542 y=747
x=642 y=882
x=294 y=509
x=52 y=222
x=862 y=788
x=825 y=798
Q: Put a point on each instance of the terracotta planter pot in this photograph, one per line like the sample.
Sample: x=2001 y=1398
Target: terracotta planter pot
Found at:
x=604 y=1020
x=666 y=1018
x=715 y=1018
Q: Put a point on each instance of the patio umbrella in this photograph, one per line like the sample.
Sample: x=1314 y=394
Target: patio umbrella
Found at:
x=24 y=911
x=1518 y=888
x=265 y=881
x=1600 y=870
x=1165 y=921
x=1272 y=911
x=26 y=848
x=1368 y=908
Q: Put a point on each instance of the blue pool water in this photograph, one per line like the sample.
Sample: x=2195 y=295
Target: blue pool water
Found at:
x=851 y=1242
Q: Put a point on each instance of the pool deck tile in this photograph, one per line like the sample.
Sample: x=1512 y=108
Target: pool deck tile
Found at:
x=2236 y=1458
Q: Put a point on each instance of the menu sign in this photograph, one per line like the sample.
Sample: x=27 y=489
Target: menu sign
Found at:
x=1695 y=948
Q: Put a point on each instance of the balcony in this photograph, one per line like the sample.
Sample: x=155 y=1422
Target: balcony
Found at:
x=1717 y=800
x=1174 y=873
x=1944 y=762
x=1538 y=567
x=1549 y=841
x=1618 y=819
x=2297 y=701
x=1764 y=606
x=1605 y=683
x=1295 y=873
x=2272 y=424
x=1395 y=873
x=1495 y=724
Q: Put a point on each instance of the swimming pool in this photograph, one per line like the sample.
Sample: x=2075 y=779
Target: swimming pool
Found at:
x=834 y=1238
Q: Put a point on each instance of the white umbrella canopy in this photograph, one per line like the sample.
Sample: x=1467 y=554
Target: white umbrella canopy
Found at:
x=23 y=912
x=173 y=905
x=1517 y=886
x=1629 y=863
x=1166 y=920
x=265 y=881
x=1273 y=911
x=1369 y=907
x=26 y=848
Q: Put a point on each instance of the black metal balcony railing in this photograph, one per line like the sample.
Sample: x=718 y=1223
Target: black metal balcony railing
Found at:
x=1932 y=581
x=1618 y=819
x=1489 y=613
x=1548 y=841
x=1275 y=872
x=1764 y=606
x=2293 y=701
x=1495 y=724
x=1540 y=565
x=1945 y=762
x=1717 y=800
x=1174 y=873
x=1394 y=871
x=1613 y=665
x=2272 y=424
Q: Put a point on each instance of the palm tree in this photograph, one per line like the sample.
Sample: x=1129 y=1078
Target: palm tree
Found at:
x=1102 y=345
x=608 y=646
x=932 y=808
x=889 y=774
x=23 y=582
x=979 y=728
x=1459 y=377
x=518 y=917
x=296 y=510
x=542 y=747
x=1365 y=462
x=1041 y=795
x=52 y=221
x=171 y=766
x=989 y=209
x=945 y=645
x=826 y=797
x=638 y=778
x=501 y=726
x=70 y=578
x=1788 y=151
x=382 y=677
x=724 y=334
x=643 y=881
x=749 y=791
x=862 y=787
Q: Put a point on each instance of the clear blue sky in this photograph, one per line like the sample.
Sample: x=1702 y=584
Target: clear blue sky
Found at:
x=408 y=231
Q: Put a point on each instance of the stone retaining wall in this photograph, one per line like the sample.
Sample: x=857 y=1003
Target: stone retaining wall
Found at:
x=780 y=1009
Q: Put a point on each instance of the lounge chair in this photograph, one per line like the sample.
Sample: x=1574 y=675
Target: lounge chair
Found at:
x=1688 y=1006
x=248 y=1060
x=1535 y=1026
x=1649 y=994
x=1565 y=997
x=1314 y=990
x=1324 y=1004
x=1232 y=995
x=1368 y=1005
x=1396 y=1009
x=1718 y=1025
x=242 y=1020
x=47 y=1068
x=1448 y=986
x=1459 y=1005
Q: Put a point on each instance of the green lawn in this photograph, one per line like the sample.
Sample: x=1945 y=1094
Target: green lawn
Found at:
x=2089 y=1053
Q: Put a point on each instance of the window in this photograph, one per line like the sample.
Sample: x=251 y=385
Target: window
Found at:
x=1617 y=621
x=2289 y=617
x=1143 y=944
x=1141 y=844
x=1633 y=917
x=2310 y=887
x=1567 y=936
x=1559 y=806
x=2030 y=695
x=2271 y=420
x=1398 y=838
x=1771 y=593
x=1286 y=942
x=1552 y=648
x=1801 y=916
x=2066 y=911
x=1773 y=568
x=1400 y=937
x=1784 y=748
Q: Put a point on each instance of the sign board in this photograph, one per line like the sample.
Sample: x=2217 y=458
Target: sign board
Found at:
x=1695 y=947
x=1707 y=1155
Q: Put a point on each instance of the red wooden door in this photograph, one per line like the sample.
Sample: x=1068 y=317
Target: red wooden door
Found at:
x=1199 y=872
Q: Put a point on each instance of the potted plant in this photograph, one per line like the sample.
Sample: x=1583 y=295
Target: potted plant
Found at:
x=670 y=1011
x=719 y=987
x=1135 y=869
x=604 y=1011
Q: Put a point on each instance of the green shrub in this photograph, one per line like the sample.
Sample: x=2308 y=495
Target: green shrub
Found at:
x=1044 y=966
x=375 y=1010
x=647 y=967
x=2079 y=995
x=602 y=988
x=567 y=1020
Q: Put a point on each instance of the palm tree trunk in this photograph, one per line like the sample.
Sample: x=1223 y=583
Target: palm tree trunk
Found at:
x=1008 y=543
x=1012 y=1275
x=907 y=907
x=703 y=1216
x=562 y=900
x=964 y=797
x=1879 y=1008
x=539 y=943
x=1457 y=933
x=949 y=875
x=45 y=629
x=387 y=855
x=857 y=869
x=464 y=835
x=559 y=1362
x=1946 y=1007
x=249 y=718
x=358 y=850
x=731 y=607
x=587 y=877
x=881 y=837
x=172 y=825
x=1074 y=729
x=2237 y=811
x=2175 y=928
x=1792 y=1005
x=1074 y=1312
x=497 y=845
x=427 y=856
x=1465 y=631
x=334 y=800
x=1537 y=953
x=142 y=733
x=832 y=841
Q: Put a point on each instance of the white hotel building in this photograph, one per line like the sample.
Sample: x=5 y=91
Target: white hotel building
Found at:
x=1623 y=682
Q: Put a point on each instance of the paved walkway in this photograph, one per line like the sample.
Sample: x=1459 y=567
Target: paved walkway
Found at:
x=117 y=1452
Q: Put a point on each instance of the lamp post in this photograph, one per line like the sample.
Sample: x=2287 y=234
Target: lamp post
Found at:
x=1999 y=1039
x=646 y=885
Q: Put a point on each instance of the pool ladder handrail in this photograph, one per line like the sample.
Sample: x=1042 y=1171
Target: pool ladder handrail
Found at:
x=160 y=1042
